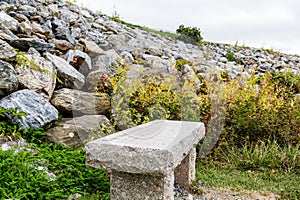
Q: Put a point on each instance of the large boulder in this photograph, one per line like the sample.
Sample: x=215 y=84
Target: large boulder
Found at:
x=7 y=21
x=39 y=111
x=91 y=47
x=41 y=80
x=98 y=80
x=24 y=44
x=68 y=74
x=80 y=103
x=105 y=62
x=80 y=60
x=79 y=130
x=8 y=79
x=6 y=51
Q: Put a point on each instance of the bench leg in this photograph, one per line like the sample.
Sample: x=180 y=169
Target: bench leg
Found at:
x=125 y=186
x=185 y=172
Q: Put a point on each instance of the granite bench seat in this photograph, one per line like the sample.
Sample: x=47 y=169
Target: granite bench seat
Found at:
x=145 y=160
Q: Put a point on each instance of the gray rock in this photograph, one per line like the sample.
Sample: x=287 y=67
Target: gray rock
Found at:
x=127 y=58
x=95 y=78
x=87 y=15
x=18 y=16
x=61 y=30
x=6 y=51
x=38 y=111
x=96 y=37
x=61 y=45
x=4 y=6
x=7 y=21
x=223 y=60
x=105 y=62
x=91 y=47
x=25 y=28
x=26 y=8
x=81 y=61
x=83 y=24
x=74 y=196
x=79 y=130
x=152 y=60
x=8 y=79
x=5 y=36
x=76 y=33
x=53 y=9
x=80 y=103
x=24 y=44
x=37 y=28
x=42 y=80
x=69 y=75
x=68 y=16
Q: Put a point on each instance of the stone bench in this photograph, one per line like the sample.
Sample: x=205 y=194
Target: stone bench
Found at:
x=145 y=160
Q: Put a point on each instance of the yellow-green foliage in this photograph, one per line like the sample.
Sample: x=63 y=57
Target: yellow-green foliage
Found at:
x=7 y=129
x=262 y=108
x=24 y=61
x=180 y=63
x=152 y=96
x=258 y=108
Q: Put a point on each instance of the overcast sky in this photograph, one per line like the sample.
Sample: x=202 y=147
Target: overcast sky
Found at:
x=259 y=23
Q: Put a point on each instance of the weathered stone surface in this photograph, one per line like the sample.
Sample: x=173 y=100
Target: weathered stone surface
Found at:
x=100 y=79
x=104 y=62
x=7 y=21
x=8 y=79
x=156 y=147
x=25 y=28
x=38 y=111
x=6 y=51
x=69 y=75
x=81 y=61
x=24 y=44
x=5 y=36
x=91 y=47
x=186 y=171
x=68 y=16
x=61 y=45
x=61 y=30
x=80 y=103
x=96 y=37
x=141 y=186
x=42 y=80
x=79 y=130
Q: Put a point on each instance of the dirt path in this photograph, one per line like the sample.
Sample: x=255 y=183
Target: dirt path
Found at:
x=217 y=194
x=214 y=194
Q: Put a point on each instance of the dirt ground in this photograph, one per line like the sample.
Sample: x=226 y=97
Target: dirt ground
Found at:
x=213 y=194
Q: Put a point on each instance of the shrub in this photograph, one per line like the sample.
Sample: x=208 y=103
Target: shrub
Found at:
x=262 y=108
x=152 y=96
x=180 y=63
x=230 y=55
x=189 y=34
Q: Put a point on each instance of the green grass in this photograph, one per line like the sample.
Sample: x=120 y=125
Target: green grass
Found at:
x=265 y=167
x=165 y=34
x=21 y=179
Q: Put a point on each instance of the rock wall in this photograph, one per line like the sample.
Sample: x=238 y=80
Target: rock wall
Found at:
x=53 y=54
